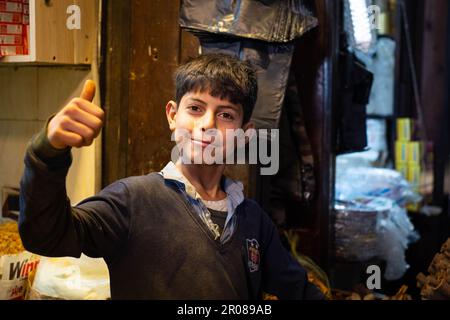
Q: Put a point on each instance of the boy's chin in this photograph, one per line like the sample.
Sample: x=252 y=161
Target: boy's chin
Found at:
x=200 y=159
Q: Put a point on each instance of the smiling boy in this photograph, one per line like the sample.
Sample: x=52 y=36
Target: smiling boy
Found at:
x=186 y=232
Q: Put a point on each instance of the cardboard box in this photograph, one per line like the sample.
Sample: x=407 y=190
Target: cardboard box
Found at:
x=11 y=50
x=11 y=39
x=9 y=6
x=402 y=167
x=26 y=32
x=11 y=28
x=401 y=151
x=413 y=152
x=10 y=17
x=414 y=174
x=404 y=126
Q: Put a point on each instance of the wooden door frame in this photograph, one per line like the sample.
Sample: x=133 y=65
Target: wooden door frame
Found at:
x=114 y=81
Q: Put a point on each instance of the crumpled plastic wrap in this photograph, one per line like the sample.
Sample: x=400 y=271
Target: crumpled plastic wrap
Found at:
x=395 y=233
x=353 y=183
x=369 y=227
x=71 y=279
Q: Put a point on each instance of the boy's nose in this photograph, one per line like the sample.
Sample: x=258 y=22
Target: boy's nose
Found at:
x=208 y=121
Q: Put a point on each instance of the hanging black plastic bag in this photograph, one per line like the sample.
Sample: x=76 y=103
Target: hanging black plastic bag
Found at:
x=354 y=90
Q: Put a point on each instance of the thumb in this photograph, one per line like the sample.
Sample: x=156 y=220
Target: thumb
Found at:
x=88 y=92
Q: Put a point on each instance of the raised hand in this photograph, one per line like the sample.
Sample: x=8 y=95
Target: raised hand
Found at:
x=78 y=123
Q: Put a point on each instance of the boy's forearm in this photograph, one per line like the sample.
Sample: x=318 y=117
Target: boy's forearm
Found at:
x=45 y=212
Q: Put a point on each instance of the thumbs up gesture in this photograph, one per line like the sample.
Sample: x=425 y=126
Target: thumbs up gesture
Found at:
x=78 y=123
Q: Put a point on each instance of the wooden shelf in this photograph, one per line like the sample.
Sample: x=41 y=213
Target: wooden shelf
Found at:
x=51 y=42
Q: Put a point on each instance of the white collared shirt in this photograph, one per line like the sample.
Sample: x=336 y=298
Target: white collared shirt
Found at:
x=235 y=196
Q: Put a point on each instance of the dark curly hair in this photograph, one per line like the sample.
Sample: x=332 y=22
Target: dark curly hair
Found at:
x=222 y=76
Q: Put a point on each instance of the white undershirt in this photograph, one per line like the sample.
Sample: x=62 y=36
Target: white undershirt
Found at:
x=220 y=205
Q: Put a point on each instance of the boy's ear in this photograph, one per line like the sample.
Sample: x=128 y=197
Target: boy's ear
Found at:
x=171 y=113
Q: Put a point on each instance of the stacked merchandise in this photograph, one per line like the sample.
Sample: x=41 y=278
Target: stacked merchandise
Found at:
x=356 y=229
x=436 y=286
x=370 y=218
x=14 y=27
x=408 y=155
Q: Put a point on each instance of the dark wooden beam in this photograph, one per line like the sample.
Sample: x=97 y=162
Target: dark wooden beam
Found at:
x=155 y=53
x=114 y=81
x=434 y=88
x=315 y=64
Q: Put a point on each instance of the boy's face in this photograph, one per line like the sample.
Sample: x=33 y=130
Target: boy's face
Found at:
x=200 y=123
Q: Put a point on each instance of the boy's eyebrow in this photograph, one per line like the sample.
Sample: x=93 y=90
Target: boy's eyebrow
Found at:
x=198 y=100
x=230 y=106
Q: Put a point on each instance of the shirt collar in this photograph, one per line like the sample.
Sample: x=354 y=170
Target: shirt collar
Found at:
x=233 y=188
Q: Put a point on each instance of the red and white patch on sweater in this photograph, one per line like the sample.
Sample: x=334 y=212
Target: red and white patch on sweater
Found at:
x=253 y=255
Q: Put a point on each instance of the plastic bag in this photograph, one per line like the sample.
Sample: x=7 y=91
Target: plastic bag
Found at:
x=15 y=262
x=71 y=279
x=353 y=183
x=396 y=233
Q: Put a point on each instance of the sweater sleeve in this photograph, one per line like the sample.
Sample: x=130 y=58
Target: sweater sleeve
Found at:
x=50 y=226
x=283 y=276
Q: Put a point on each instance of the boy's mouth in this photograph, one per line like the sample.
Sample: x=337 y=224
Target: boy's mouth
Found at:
x=202 y=143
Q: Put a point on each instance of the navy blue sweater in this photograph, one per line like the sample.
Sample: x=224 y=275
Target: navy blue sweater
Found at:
x=155 y=245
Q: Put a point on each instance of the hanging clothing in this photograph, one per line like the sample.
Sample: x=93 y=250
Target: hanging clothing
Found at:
x=271 y=63
x=267 y=20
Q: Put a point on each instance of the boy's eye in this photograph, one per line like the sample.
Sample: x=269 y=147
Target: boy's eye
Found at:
x=194 y=108
x=226 y=116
